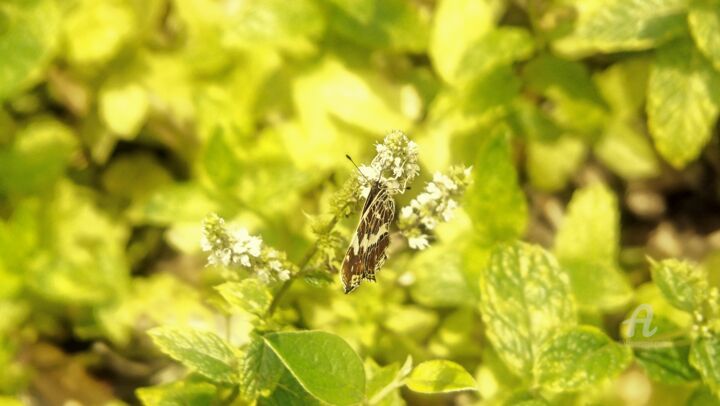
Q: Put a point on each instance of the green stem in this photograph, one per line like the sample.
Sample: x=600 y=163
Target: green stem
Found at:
x=303 y=264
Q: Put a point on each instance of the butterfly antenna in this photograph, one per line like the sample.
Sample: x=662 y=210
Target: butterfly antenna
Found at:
x=356 y=167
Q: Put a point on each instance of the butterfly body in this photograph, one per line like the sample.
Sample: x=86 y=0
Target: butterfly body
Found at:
x=367 y=251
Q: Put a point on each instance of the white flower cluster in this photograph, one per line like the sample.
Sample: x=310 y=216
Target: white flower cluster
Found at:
x=396 y=164
x=434 y=205
x=236 y=248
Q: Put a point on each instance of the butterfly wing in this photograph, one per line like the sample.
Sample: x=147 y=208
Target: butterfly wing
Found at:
x=367 y=251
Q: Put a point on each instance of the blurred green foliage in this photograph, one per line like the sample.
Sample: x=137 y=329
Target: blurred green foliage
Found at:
x=124 y=123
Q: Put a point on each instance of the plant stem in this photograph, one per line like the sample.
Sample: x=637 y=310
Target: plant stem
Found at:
x=303 y=264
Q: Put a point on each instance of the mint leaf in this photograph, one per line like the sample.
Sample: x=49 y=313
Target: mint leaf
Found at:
x=704 y=21
x=182 y=392
x=440 y=376
x=683 y=285
x=524 y=298
x=202 y=351
x=28 y=39
x=682 y=104
x=322 y=363
x=495 y=201
x=500 y=46
x=456 y=26
x=702 y=396
x=383 y=382
x=623 y=25
x=579 y=358
x=260 y=370
x=587 y=246
x=393 y=24
x=664 y=363
x=705 y=357
x=250 y=295
x=289 y=392
x=551 y=163
x=577 y=104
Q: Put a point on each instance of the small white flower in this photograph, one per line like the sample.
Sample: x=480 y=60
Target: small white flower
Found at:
x=406 y=211
x=447 y=213
x=245 y=260
x=433 y=191
x=429 y=222
x=284 y=275
x=443 y=180
x=419 y=243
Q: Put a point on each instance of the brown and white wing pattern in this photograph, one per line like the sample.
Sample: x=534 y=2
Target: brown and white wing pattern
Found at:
x=367 y=251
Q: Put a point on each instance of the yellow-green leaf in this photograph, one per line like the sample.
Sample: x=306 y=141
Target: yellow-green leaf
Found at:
x=683 y=102
x=440 y=376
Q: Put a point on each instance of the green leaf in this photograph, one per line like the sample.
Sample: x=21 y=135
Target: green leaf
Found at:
x=383 y=382
x=705 y=357
x=457 y=25
x=495 y=202
x=704 y=21
x=324 y=365
x=219 y=161
x=250 y=295
x=393 y=24
x=576 y=102
x=178 y=393
x=623 y=25
x=289 y=392
x=627 y=152
x=702 y=396
x=274 y=23
x=525 y=298
x=440 y=376
x=123 y=107
x=623 y=86
x=28 y=38
x=202 y=351
x=682 y=102
x=95 y=31
x=587 y=246
x=446 y=289
x=38 y=158
x=683 y=285
x=498 y=47
x=550 y=164
x=579 y=358
x=260 y=370
x=667 y=362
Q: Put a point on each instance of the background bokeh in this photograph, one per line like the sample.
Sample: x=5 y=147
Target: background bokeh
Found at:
x=124 y=123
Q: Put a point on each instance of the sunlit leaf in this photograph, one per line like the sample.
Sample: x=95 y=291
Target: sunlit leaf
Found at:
x=704 y=22
x=579 y=358
x=260 y=370
x=587 y=246
x=682 y=104
x=324 y=365
x=28 y=39
x=178 y=393
x=705 y=357
x=495 y=202
x=249 y=295
x=525 y=298
x=623 y=25
x=440 y=376
x=456 y=26
x=683 y=284
x=202 y=351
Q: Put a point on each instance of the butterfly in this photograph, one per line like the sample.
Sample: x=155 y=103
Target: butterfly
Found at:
x=367 y=251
